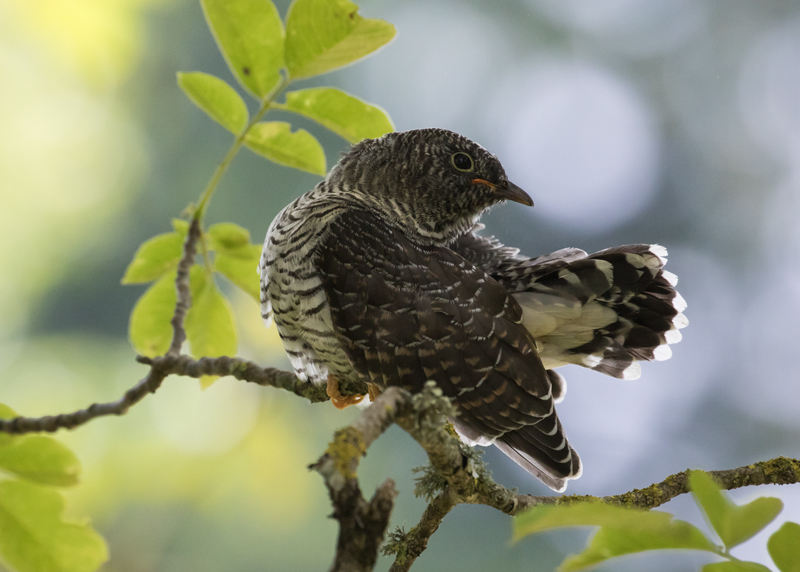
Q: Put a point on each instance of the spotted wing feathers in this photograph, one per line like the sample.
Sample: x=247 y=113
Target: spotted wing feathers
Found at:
x=406 y=313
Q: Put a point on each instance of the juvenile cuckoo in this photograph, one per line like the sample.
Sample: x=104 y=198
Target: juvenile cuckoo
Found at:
x=379 y=274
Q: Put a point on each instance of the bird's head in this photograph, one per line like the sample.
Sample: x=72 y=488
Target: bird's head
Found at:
x=433 y=182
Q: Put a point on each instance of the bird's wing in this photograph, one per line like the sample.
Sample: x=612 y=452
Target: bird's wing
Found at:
x=406 y=313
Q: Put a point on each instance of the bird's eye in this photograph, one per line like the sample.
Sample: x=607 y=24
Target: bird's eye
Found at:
x=463 y=162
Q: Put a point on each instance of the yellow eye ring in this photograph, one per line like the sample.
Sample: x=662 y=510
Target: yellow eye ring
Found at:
x=463 y=162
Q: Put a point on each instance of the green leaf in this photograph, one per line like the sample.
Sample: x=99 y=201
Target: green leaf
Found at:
x=343 y=114
x=541 y=518
x=275 y=141
x=226 y=236
x=209 y=323
x=249 y=34
x=37 y=458
x=322 y=35
x=40 y=459
x=241 y=270
x=784 y=547
x=735 y=566
x=181 y=227
x=154 y=258
x=35 y=538
x=623 y=530
x=217 y=98
x=611 y=542
x=734 y=524
x=7 y=413
x=149 y=329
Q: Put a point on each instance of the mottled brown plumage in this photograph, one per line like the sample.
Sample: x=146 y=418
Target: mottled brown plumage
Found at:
x=378 y=275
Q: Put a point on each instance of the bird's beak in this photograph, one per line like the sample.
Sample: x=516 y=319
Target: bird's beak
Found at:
x=508 y=190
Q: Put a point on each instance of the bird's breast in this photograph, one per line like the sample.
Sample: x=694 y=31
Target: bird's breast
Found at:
x=293 y=291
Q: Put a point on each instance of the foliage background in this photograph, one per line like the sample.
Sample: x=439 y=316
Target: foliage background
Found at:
x=673 y=122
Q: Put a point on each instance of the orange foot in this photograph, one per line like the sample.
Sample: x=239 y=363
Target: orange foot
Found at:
x=340 y=401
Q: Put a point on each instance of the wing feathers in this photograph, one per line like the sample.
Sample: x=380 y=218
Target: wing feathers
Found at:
x=406 y=312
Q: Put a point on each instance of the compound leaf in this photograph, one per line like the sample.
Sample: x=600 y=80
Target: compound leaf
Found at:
x=149 y=329
x=784 y=547
x=214 y=96
x=322 y=35
x=249 y=34
x=34 y=537
x=275 y=141
x=209 y=323
x=227 y=236
x=154 y=258
x=734 y=524
x=241 y=269
x=340 y=112
x=735 y=566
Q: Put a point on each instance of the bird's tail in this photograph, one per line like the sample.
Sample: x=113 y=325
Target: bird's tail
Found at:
x=606 y=311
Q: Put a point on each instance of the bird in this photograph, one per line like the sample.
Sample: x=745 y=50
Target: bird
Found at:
x=380 y=274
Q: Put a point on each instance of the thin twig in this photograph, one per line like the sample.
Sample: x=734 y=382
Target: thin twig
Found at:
x=160 y=368
x=415 y=541
x=182 y=287
x=51 y=423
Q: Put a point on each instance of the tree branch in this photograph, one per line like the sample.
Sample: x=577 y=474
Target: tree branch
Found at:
x=362 y=524
x=182 y=287
x=456 y=473
x=160 y=368
x=409 y=545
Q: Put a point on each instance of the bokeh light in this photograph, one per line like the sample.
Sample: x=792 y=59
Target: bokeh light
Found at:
x=579 y=140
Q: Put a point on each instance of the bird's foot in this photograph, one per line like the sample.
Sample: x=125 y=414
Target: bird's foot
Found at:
x=374 y=391
x=340 y=401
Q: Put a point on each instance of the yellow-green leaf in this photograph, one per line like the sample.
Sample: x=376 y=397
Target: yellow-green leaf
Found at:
x=249 y=34
x=734 y=524
x=340 y=112
x=322 y=35
x=660 y=534
x=180 y=226
x=735 y=566
x=227 y=236
x=275 y=141
x=149 y=329
x=154 y=258
x=7 y=413
x=209 y=323
x=214 y=96
x=623 y=530
x=34 y=537
x=40 y=459
x=240 y=269
x=784 y=547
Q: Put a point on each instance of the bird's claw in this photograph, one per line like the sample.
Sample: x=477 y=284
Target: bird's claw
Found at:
x=341 y=401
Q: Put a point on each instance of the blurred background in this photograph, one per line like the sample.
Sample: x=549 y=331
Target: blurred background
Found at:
x=674 y=122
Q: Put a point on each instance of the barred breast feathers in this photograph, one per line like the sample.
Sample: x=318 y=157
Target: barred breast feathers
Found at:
x=291 y=289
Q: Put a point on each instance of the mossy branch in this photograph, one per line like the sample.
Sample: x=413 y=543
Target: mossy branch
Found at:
x=362 y=523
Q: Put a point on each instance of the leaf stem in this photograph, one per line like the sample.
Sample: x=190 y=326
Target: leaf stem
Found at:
x=266 y=104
